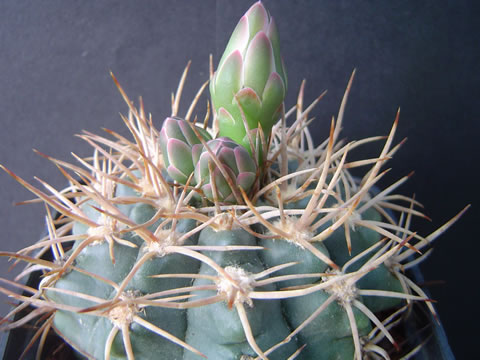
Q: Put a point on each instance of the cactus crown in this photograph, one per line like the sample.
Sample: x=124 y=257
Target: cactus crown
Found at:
x=181 y=244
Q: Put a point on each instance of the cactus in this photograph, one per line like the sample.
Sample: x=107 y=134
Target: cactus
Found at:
x=179 y=246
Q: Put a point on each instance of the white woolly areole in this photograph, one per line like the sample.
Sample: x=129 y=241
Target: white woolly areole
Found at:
x=124 y=313
x=238 y=290
x=165 y=238
x=225 y=221
x=288 y=192
x=351 y=220
x=297 y=235
x=291 y=189
x=345 y=291
x=157 y=193
x=106 y=226
x=99 y=231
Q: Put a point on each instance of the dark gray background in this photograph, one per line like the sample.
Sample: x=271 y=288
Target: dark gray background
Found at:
x=423 y=56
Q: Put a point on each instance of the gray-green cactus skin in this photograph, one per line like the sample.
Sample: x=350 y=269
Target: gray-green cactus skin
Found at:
x=88 y=333
x=225 y=338
x=215 y=329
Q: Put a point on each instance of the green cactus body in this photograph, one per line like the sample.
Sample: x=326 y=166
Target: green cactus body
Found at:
x=213 y=329
x=330 y=332
x=380 y=278
x=87 y=333
x=225 y=337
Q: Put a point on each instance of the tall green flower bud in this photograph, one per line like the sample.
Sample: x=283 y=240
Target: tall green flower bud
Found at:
x=250 y=78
